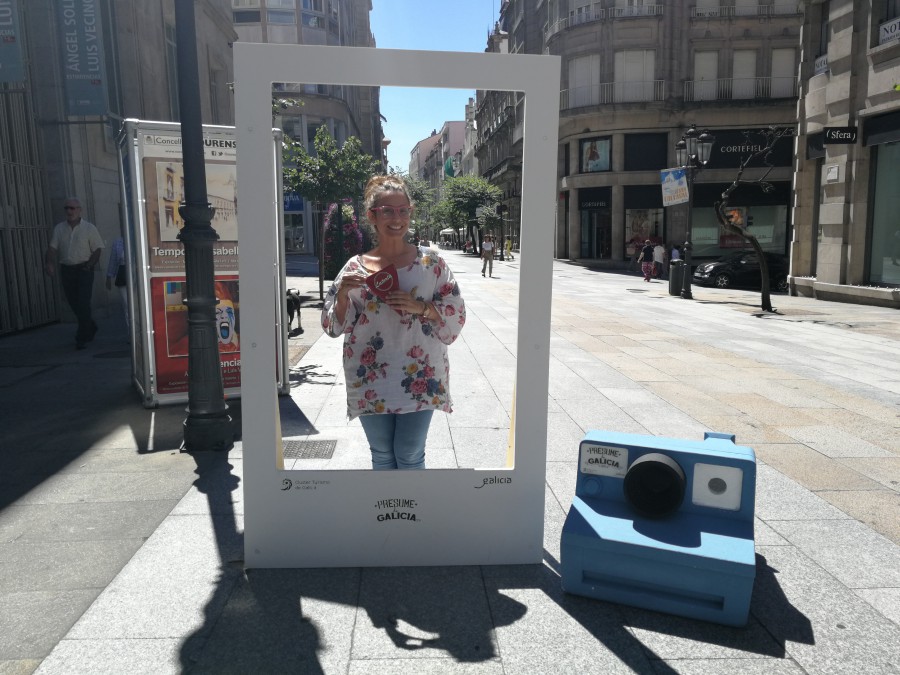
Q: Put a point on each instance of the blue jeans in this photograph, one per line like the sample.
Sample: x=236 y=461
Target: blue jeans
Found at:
x=397 y=441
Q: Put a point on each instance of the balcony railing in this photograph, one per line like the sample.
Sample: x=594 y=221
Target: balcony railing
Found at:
x=613 y=92
x=594 y=13
x=745 y=88
x=727 y=11
x=641 y=10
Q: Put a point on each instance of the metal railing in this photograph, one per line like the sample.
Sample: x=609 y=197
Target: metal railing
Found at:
x=730 y=89
x=640 y=10
x=612 y=92
x=726 y=11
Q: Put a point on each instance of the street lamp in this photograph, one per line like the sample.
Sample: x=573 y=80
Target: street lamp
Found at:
x=692 y=153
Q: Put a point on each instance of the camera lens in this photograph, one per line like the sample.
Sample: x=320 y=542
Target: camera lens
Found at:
x=654 y=485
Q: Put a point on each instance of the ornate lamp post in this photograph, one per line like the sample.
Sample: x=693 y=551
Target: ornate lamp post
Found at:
x=692 y=153
x=207 y=425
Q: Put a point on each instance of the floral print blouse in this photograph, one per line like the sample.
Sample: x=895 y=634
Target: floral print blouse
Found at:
x=394 y=363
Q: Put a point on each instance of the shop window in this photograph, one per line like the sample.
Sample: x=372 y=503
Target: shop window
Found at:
x=595 y=154
x=646 y=152
x=313 y=5
x=280 y=16
x=246 y=16
x=884 y=255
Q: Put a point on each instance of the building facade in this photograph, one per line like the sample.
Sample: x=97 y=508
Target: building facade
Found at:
x=635 y=75
x=846 y=224
x=72 y=71
x=344 y=110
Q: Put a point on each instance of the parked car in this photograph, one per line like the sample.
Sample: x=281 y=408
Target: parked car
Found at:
x=741 y=269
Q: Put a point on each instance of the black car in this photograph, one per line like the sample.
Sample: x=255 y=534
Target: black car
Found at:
x=742 y=269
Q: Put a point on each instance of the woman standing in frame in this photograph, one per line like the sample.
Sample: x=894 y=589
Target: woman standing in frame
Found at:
x=398 y=308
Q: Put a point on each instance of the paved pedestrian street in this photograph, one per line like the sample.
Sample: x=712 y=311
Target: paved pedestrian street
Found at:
x=120 y=554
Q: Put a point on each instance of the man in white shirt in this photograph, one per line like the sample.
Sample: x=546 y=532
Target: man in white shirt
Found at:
x=487 y=254
x=659 y=260
x=75 y=246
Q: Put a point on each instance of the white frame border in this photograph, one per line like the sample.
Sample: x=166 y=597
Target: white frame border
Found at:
x=449 y=519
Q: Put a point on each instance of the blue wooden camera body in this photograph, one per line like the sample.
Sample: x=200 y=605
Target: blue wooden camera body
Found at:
x=663 y=524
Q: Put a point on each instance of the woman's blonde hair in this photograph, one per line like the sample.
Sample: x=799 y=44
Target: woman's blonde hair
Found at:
x=379 y=186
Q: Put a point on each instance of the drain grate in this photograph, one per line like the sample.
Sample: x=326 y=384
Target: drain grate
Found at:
x=309 y=449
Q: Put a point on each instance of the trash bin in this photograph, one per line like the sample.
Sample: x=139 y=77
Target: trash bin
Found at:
x=676 y=278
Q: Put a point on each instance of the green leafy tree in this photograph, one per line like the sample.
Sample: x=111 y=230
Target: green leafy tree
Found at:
x=445 y=214
x=467 y=194
x=331 y=175
x=770 y=138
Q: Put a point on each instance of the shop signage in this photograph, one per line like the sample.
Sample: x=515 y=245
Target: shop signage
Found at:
x=840 y=136
x=732 y=146
x=594 y=198
x=12 y=68
x=85 y=76
x=889 y=30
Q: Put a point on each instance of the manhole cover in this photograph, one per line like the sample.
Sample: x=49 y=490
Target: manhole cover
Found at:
x=309 y=449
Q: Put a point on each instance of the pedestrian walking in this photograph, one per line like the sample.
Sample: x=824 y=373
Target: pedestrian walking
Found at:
x=115 y=274
x=509 y=255
x=398 y=307
x=659 y=261
x=75 y=247
x=487 y=255
x=646 y=260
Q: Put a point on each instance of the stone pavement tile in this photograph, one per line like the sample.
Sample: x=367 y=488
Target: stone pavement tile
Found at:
x=812 y=469
x=834 y=442
x=563 y=437
x=112 y=657
x=885 y=600
x=824 y=626
x=715 y=385
x=877 y=432
x=764 y=409
x=640 y=372
x=762 y=666
x=480 y=448
x=561 y=477
x=764 y=535
x=598 y=412
x=62 y=565
x=885 y=413
x=83 y=521
x=70 y=487
x=876 y=508
x=885 y=470
x=667 y=636
x=783 y=393
x=541 y=629
x=425 y=667
x=780 y=498
x=600 y=374
x=747 y=430
x=226 y=498
x=19 y=666
x=183 y=560
x=659 y=417
x=351 y=450
x=425 y=612
x=851 y=552
x=282 y=621
x=101 y=459
x=484 y=412
x=691 y=401
x=32 y=622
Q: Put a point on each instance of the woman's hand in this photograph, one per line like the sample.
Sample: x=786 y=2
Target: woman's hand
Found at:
x=406 y=302
x=349 y=282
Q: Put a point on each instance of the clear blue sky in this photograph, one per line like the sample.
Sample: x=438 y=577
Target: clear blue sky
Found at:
x=460 y=26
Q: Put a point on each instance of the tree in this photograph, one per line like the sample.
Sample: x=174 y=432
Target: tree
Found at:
x=467 y=194
x=445 y=214
x=422 y=196
x=770 y=137
x=331 y=175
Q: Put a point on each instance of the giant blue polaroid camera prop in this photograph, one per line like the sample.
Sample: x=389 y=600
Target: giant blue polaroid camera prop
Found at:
x=663 y=524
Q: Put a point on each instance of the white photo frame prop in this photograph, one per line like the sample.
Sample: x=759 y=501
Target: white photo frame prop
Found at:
x=344 y=518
